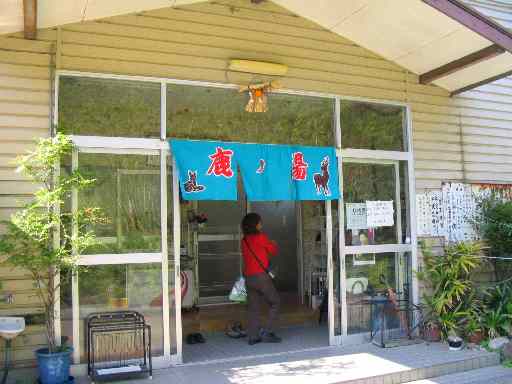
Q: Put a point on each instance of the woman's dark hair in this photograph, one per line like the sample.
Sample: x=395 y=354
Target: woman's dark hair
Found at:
x=249 y=223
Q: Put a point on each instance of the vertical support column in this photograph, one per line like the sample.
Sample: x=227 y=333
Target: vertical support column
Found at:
x=330 y=271
x=163 y=222
x=176 y=244
x=55 y=105
x=341 y=223
x=56 y=283
x=56 y=232
x=165 y=258
x=74 y=281
x=58 y=49
x=412 y=206
x=163 y=110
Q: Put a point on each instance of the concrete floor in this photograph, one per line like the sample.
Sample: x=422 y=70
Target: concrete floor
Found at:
x=363 y=364
x=355 y=365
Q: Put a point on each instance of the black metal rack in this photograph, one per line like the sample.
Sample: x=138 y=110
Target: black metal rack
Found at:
x=392 y=324
x=118 y=345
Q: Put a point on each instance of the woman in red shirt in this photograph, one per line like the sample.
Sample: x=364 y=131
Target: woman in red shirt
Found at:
x=256 y=250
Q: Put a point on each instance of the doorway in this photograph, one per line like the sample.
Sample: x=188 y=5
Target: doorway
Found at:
x=214 y=261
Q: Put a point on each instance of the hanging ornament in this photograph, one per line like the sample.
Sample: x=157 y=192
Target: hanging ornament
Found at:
x=258 y=101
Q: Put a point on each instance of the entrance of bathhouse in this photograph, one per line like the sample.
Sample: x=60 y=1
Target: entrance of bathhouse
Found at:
x=146 y=246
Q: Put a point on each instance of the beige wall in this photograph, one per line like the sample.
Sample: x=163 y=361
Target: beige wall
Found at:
x=24 y=115
x=195 y=42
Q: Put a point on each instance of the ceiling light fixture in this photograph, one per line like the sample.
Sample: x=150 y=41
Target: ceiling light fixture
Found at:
x=258 y=67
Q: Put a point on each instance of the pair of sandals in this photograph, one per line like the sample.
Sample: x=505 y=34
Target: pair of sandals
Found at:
x=195 y=338
x=235 y=331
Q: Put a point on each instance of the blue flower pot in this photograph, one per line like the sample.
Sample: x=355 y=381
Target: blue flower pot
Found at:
x=53 y=367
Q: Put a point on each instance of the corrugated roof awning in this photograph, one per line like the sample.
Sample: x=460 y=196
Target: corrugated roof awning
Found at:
x=446 y=42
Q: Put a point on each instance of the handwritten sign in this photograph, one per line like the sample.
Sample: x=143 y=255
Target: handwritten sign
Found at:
x=380 y=214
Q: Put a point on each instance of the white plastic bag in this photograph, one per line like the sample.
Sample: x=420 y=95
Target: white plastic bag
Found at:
x=239 y=292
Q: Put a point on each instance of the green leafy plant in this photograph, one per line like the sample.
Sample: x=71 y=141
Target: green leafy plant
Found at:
x=494 y=224
x=474 y=307
x=496 y=322
x=499 y=296
x=497 y=318
x=448 y=279
x=42 y=238
x=473 y=324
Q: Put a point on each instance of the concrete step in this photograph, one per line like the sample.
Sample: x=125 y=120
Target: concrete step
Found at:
x=494 y=374
x=429 y=369
x=363 y=364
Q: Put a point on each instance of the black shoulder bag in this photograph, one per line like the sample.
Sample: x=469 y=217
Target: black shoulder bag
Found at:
x=270 y=273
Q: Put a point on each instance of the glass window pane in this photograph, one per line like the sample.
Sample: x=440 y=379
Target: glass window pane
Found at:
x=103 y=107
x=108 y=288
x=127 y=189
x=372 y=126
x=217 y=113
x=368 y=278
x=368 y=183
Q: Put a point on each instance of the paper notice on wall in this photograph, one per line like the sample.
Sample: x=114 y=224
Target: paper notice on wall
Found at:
x=379 y=214
x=356 y=215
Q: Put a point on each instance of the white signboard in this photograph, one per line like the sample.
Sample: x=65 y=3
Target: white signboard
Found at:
x=356 y=215
x=379 y=214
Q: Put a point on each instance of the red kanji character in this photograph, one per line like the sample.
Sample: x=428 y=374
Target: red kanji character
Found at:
x=221 y=163
x=299 y=167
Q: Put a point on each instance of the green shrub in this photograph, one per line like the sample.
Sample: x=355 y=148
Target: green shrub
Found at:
x=450 y=285
x=39 y=238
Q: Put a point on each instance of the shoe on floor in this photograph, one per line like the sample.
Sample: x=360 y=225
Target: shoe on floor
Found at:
x=271 y=337
x=255 y=341
x=238 y=328
x=199 y=338
x=235 y=331
x=191 y=339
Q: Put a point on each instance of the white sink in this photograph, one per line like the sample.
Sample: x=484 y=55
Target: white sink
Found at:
x=10 y=327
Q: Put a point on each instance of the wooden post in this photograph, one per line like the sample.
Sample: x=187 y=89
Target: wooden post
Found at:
x=30 y=19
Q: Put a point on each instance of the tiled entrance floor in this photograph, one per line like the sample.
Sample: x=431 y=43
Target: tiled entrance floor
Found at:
x=218 y=346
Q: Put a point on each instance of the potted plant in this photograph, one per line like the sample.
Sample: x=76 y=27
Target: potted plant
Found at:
x=432 y=331
x=44 y=240
x=473 y=328
x=449 y=285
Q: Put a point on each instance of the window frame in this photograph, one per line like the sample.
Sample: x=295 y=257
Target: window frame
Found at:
x=123 y=145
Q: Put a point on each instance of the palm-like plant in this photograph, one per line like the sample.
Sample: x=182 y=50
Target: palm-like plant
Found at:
x=448 y=278
x=497 y=322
